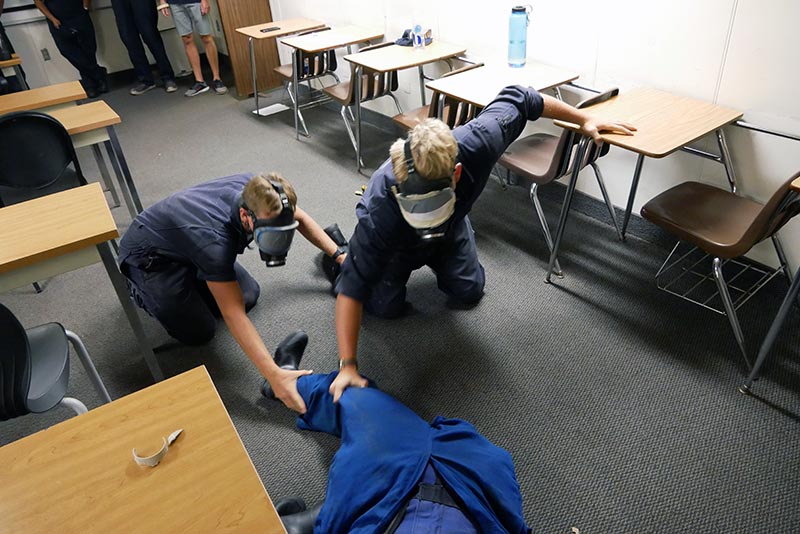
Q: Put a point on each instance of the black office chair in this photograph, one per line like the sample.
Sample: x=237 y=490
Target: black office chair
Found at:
x=35 y=156
x=34 y=368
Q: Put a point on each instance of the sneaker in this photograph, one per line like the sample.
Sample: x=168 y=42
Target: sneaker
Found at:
x=170 y=86
x=141 y=88
x=196 y=89
x=219 y=87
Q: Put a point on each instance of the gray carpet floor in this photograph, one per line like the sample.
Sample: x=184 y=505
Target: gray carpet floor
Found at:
x=618 y=402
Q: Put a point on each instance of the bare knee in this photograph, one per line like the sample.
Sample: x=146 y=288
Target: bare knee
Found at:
x=188 y=40
x=207 y=39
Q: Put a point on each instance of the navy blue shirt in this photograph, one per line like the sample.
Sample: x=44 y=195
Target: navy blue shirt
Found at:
x=65 y=9
x=381 y=231
x=198 y=226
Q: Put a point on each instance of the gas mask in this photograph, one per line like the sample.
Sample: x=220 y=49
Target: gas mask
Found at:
x=426 y=205
x=274 y=236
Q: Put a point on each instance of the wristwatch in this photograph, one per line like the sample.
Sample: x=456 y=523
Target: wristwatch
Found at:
x=339 y=251
x=348 y=363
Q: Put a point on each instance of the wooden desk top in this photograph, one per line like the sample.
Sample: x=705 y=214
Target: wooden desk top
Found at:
x=85 y=118
x=54 y=225
x=284 y=27
x=665 y=122
x=14 y=61
x=332 y=39
x=79 y=475
x=479 y=86
x=403 y=57
x=42 y=97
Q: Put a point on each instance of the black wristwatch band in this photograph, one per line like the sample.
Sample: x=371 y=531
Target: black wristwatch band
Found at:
x=339 y=251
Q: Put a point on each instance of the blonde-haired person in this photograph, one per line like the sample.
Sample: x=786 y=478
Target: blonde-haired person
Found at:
x=407 y=220
x=179 y=256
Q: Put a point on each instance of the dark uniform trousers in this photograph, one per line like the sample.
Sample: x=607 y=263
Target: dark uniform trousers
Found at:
x=181 y=302
x=459 y=274
x=137 y=18
x=76 y=41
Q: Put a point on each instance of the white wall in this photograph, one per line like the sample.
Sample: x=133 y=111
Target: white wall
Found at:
x=738 y=53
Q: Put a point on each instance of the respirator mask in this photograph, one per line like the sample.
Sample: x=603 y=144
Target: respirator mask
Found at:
x=274 y=236
x=426 y=205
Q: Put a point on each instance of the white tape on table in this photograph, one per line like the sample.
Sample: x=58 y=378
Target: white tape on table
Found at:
x=153 y=460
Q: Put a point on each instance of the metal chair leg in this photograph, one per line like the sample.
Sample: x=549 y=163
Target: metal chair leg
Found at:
x=609 y=205
x=299 y=113
x=782 y=257
x=350 y=132
x=730 y=311
x=73 y=404
x=396 y=103
x=545 y=229
x=88 y=365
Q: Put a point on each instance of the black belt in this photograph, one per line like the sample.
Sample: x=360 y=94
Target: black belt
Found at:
x=426 y=492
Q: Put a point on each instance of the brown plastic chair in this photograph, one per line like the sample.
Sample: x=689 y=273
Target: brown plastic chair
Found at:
x=719 y=224
x=542 y=158
x=412 y=118
x=309 y=67
x=374 y=85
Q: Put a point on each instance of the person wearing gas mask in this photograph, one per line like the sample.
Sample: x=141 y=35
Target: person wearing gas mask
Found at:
x=179 y=257
x=414 y=213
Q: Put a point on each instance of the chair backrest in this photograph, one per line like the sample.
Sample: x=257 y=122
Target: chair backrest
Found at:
x=453 y=112
x=35 y=151
x=313 y=65
x=562 y=158
x=373 y=84
x=15 y=366
x=779 y=209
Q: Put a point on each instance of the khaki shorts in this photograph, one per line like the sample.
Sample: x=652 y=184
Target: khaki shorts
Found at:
x=188 y=16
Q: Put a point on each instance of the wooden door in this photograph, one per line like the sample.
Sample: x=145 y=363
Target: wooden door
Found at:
x=238 y=14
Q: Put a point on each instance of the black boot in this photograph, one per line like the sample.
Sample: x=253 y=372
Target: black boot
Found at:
x=287 y=356
x=289 y=505
x=331 y=267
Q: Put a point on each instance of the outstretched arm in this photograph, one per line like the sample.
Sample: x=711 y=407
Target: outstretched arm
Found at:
x=228 y=296
x=558 y=110
x=315 y=235
x=348 y=323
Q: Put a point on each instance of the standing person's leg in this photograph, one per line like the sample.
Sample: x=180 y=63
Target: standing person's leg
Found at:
x=459 y=274
x=68 y=41
x=145 y=16
x=88 y=43
x=129 y=33
x=182 y=17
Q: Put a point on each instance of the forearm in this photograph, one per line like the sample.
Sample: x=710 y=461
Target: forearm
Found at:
x=248 y=338
x=558 y=110
x=348 y=324
x=46 y=12
x=315 y=235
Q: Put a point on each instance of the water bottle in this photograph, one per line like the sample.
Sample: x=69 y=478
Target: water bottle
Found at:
x=517 y=36
x=418 y=36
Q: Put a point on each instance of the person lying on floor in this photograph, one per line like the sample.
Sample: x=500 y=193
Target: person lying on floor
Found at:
x=396 y=473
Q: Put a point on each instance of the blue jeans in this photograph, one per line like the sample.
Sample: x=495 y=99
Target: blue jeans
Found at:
x=137 y=21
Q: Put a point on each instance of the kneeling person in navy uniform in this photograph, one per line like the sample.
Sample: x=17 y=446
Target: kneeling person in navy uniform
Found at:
x=179 y=256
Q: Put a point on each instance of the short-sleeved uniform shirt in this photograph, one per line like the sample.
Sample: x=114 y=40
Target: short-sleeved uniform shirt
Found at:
x=199 y=226
x=381 y=232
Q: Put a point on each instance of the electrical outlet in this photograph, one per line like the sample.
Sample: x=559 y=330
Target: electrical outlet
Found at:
x=45 y=54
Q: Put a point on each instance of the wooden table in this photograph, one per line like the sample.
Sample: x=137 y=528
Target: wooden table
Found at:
x=15 y=63
x=271 y=30
x=59 y=233
x=321 y=42
x=395 y=57
x=93 y=124
x=481 y=85
x=42 y=97
x=664 y=123
x=79 y=475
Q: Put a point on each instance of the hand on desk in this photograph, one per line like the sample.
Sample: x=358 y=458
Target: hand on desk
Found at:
x=593 y=128
x=284 y=386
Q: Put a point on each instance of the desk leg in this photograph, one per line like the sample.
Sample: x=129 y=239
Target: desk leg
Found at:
x=115 y=165
x=21 y=78
x=253 y=72
x=295 y=83
x=772 y=335
x=727 y=162
x=562 y=221
x=118 y=281
x=101 y=165
x=126 y=172
x=637 y=172
x=422 y=84
x=357 y=81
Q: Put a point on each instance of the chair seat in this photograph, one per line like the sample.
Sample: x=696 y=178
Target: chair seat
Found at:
x=11 y=195
x=339 y=92
x=285 y=71
x=413 y=117
x=49 y=366
x=708 y=217
x=531 y=157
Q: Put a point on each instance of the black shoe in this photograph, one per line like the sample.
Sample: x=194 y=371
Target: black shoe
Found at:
x=289 y=505
x=331 y=267
x=101 y=83
x=287 y=356
x=336 y=234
